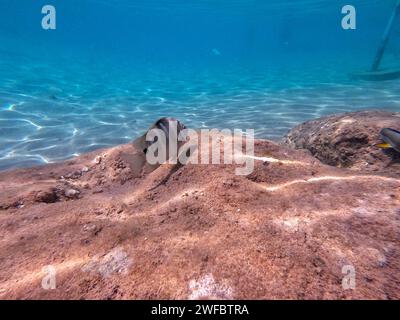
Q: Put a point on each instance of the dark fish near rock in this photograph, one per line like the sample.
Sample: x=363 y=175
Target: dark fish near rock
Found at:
x=137 y=161
x=163 y=124
x=391 y=138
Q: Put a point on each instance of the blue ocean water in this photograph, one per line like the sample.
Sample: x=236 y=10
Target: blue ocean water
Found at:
x=112 y=67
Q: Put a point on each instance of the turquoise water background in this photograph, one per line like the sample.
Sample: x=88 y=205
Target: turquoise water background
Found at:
x=111 y=68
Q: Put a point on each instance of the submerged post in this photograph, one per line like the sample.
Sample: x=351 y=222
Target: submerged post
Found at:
x=385 y=38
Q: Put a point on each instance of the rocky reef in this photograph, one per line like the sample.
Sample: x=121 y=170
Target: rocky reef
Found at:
x=289 y=230
x=349 y=141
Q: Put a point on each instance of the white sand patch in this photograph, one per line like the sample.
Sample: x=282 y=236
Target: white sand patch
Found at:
x=290 y=224
x=207 y=288
x=114 y=262
x=347 y=120
x=364 y=211
x=375 y=256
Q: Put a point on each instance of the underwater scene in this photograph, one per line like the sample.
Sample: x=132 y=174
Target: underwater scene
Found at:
x=201 y=151
x=109 y=69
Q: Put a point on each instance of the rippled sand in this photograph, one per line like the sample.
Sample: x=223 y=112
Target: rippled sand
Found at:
x=49 y=113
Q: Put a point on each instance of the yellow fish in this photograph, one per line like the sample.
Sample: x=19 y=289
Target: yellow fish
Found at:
x=391 y=139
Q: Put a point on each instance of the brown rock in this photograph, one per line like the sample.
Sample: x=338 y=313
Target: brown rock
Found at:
x=349 y=140
x=300 y=224
x=47 y=196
